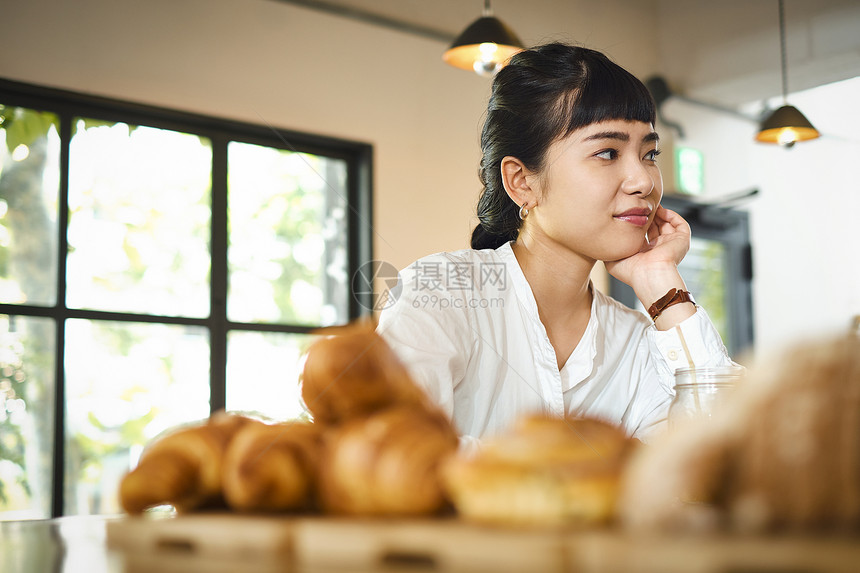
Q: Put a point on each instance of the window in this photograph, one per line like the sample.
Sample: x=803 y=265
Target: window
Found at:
x=156 y=266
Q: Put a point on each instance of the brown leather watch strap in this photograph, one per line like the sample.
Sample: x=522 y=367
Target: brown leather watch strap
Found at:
x=671 y=298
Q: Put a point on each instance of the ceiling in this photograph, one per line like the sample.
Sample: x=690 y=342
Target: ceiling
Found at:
x=447 y=17
x=724 y=52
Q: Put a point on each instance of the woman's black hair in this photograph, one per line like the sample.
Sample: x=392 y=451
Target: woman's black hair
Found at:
x=542 y=95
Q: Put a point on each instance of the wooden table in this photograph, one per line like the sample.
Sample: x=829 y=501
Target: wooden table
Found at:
x=65 y=545
x=230 y=543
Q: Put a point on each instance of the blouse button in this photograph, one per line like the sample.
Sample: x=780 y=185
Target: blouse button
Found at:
x=673 y=354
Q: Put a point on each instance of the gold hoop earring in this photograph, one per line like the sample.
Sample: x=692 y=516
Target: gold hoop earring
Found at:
x=523 y=212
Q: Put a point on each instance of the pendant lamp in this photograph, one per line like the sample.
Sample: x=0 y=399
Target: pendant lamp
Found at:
x=786 y=125
x=485 y=46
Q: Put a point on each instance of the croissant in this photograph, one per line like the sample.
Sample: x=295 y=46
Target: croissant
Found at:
x=785 y=454
x=272 y=467
x=355 y=373
x=183 y=467
x=387 y=463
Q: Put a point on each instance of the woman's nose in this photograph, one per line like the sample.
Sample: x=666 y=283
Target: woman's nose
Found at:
x=638 y=180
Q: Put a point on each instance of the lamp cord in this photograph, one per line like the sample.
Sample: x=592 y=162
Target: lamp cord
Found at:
x=489 y=11
x=783 y=52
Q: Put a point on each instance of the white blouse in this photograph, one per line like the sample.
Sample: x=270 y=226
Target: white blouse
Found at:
x=466 y=325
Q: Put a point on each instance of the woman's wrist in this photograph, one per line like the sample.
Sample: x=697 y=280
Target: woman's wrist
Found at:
x=656 y=284
x=675 y=315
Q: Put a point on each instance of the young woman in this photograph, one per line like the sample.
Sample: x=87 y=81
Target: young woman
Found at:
x=514 y=326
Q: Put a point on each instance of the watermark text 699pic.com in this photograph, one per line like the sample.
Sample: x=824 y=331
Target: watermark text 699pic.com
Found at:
x=443 y=302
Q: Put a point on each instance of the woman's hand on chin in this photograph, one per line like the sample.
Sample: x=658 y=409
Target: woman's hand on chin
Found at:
x=653 y=270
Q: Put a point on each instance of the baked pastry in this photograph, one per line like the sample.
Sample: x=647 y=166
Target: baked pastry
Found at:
x=784 y=454
x=546 y=471
x=183 y=467
x=387 y=463
x=354 y=373
x=272 y=467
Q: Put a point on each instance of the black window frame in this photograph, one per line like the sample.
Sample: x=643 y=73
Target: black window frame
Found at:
x=67 y=105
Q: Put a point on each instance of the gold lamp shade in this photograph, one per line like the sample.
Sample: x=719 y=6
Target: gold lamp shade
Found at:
x=484 y=47
x=786 y=126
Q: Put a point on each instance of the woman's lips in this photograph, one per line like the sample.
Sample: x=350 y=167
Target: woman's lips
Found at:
x=638 y=217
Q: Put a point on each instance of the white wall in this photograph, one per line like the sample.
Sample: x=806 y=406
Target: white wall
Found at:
x=805 y=226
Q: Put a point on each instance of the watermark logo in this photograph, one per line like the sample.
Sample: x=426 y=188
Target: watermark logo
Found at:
x=378 y=283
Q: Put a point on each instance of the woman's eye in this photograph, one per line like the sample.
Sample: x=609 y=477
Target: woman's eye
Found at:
x=607 y=154
x=652 y=155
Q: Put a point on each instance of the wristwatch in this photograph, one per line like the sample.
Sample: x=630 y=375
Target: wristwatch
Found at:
x=673 y=297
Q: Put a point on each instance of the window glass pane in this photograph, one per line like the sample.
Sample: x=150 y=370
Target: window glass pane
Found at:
x=139 y=226
x=704 y=272
x=263 y=373
x=26 y=416
x=125 y=383
x=29 y=187
x=288 y=237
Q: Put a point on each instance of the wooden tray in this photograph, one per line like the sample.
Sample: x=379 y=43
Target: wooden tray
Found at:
x=616 y=552
x=204 y=535
x=276 y=544
x=441 y=545
x=322 y=543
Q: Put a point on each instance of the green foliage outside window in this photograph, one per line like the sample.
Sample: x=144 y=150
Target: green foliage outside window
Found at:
x=139 y=240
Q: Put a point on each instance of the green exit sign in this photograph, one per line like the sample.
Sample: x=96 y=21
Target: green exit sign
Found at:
x=689 y=170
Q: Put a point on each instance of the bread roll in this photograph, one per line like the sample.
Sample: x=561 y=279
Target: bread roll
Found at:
x=545 y=471
x=784 y=454
x=182 y=467
x=387 y=463
x=354 y=373
x=272 y=467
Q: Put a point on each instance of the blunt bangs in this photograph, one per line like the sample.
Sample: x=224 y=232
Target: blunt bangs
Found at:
x=607 y=92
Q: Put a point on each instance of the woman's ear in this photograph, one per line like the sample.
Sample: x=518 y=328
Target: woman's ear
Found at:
x=518 y=180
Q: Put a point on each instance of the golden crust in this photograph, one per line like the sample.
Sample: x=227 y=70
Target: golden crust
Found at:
x=182 y=467
x=272 y=467
x=387 y=464
x=542 y=440
x=355 y=373
x=546 y=471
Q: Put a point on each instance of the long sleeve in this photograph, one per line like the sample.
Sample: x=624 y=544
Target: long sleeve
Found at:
x=430 y=334
x=693 y=343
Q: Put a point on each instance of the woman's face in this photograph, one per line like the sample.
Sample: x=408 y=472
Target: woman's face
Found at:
x=599 y=190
